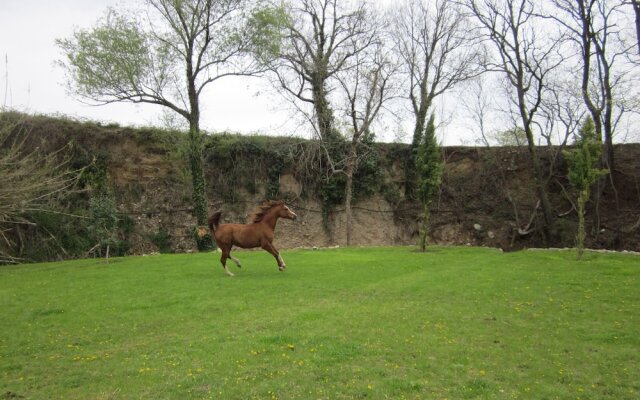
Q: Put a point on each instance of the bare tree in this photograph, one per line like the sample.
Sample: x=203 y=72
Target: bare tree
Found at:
x=593 y=26
x=478 y=106
x=561 y=114
x=318 y=42
x=366 y=85
x=526 y=61
x=434 y=46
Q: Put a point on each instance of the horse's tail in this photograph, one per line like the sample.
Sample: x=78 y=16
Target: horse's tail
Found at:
x=214 y=220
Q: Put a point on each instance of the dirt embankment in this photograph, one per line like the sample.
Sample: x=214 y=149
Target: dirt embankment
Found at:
x=487 y=196
x=487 y=199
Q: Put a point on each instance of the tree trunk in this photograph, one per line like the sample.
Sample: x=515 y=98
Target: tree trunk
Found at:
x=324 y=114
x=580 y=237
x=538 y=174
x=608 y=110
x=636 y=8
x=426 y=215
x=329 y=140
x=197 y=178
x=349 y=170
x=198 y=195
x=410 y=167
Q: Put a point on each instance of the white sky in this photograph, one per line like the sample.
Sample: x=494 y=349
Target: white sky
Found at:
x=31 y=82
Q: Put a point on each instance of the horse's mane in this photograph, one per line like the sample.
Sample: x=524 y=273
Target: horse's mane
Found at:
x=262 y=210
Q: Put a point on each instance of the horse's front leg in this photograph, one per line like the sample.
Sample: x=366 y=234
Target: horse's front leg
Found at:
x=236 y=261
x=268 y=246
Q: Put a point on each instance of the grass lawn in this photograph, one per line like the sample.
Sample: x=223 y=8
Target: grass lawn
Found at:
x=375 y=323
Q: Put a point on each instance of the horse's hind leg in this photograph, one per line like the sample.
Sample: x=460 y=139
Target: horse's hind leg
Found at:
x=223 y=259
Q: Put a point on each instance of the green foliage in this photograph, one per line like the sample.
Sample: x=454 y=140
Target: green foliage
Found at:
x=54 y=236
x=511 y=137
x=429 y=164
x=332 y=191
x=111 y=59
x=242 y=161
x=273 y=177
x=162 y=240
x=105 y=228
x=583 y=172
x=251 y=161
x=367 y=178
x=366 y=181
x=352 y=324
x=204 y=242
x=583 y=161
x=265 y=29
x=429 y=170
x=237 y=167
x=35 y=179
x=104 y=222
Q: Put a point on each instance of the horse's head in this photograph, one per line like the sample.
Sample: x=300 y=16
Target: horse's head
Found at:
x=285 y=212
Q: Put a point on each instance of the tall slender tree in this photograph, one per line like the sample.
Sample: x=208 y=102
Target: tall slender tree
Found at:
x=526 y=61
x=429 y=169
x=596 y=29
x=583 y=173
x=320 y=37
x=367 y=87
x=436 y=52
x=593 y=26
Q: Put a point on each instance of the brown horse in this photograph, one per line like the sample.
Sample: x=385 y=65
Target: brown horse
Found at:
x=257 y=234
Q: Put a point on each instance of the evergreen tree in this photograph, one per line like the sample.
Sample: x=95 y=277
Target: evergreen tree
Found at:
x=429 y=169
x=584 y=172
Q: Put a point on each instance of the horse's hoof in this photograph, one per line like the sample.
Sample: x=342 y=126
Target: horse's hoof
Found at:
x=282 y=268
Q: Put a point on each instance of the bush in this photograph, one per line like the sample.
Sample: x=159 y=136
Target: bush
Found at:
x=162 y=240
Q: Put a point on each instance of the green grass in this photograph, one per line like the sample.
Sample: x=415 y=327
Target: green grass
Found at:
x=378 y=323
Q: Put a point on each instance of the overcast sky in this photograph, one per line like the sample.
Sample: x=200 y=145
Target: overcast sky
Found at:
x=31 y=82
